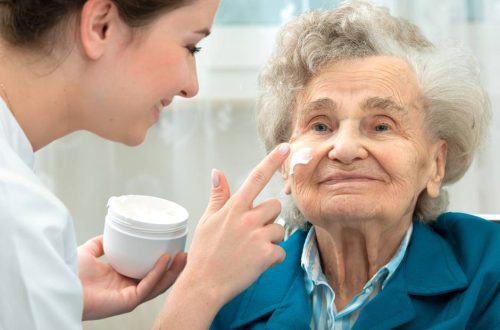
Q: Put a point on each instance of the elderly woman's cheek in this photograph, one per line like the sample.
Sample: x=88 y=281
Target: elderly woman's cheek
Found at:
x=303 y=191
x=408 y=179
x=309 y=203
x=422 y=168
x=299 y=156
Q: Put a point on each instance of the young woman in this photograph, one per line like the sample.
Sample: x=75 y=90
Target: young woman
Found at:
x=110 y=67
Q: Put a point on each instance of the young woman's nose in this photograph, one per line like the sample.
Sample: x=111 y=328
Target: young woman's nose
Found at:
x=191 y=85
x=346 y=145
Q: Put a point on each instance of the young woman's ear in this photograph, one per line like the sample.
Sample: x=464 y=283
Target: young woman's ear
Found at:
x=99 y=26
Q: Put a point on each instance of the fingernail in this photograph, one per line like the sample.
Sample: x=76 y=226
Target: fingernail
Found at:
x=215 y=179
x=284 y=148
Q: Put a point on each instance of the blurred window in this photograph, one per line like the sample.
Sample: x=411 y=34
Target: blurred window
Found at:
x=265 y=12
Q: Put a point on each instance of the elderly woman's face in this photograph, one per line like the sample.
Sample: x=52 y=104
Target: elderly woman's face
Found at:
x=371 y=155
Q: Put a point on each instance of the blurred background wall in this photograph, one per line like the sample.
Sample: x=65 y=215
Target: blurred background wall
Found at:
x=216 y=129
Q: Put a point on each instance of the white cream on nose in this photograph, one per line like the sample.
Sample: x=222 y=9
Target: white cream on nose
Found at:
x=301 y=156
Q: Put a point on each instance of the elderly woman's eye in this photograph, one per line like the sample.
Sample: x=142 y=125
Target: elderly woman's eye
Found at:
x=320 y=127
x=382 y=127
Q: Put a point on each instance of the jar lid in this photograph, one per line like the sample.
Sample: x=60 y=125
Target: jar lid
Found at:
x=147 y=213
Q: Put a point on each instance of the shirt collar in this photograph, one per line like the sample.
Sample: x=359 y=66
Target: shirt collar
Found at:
x=13 y=134
x=310 y=262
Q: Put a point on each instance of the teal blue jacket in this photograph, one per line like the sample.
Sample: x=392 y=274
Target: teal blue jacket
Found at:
x=448 y=279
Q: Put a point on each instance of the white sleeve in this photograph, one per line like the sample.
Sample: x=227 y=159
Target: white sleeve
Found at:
x=39 y=284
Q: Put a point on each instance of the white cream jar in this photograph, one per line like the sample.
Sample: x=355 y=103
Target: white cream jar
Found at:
x=139 y=229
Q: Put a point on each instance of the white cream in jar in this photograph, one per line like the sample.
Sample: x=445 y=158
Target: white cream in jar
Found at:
x=139 y=229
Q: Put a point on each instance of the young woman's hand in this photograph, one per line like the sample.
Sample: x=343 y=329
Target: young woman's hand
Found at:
x=107 y=293
x=234 y=243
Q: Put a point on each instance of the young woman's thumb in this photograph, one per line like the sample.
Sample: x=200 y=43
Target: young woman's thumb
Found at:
x=220 y=193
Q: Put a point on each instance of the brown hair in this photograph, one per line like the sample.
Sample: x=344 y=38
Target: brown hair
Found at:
x=36 y=23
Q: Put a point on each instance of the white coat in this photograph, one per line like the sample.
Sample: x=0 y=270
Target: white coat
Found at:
x=39 y=285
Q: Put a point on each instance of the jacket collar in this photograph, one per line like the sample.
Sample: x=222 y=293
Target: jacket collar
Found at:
x=429 y=268
x=13 y=134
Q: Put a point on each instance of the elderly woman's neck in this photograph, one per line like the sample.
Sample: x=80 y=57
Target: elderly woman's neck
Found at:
x=351 y=255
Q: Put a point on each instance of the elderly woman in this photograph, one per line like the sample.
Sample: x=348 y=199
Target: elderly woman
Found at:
x=379 y=120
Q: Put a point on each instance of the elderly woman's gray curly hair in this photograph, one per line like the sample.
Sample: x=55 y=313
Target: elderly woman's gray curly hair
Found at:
x=456 y=106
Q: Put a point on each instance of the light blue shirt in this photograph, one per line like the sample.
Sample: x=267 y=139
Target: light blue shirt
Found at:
x=322 y=296
x=39 y=282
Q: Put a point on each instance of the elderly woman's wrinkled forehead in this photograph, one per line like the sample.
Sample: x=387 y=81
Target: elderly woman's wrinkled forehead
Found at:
x=387 y=82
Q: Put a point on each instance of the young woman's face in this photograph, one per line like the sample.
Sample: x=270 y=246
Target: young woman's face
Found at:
x=147 y=70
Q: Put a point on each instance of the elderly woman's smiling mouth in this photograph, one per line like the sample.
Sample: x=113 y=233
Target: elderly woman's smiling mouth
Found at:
x=340 y=177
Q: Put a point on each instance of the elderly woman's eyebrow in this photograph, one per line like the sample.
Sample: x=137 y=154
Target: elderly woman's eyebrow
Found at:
x=382 y=103
x=324 y=103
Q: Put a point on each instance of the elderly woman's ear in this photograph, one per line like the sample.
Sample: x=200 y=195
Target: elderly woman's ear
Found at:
x=439 y=151
x=285 y=176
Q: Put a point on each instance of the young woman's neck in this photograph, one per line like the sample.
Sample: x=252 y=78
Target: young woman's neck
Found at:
x=37 y=92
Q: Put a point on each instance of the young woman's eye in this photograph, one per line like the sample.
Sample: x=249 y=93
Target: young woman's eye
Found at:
x=320 y=127
x=193 y=49
x=382 y=127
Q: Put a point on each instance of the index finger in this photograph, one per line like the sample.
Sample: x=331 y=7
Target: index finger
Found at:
x=261 y=174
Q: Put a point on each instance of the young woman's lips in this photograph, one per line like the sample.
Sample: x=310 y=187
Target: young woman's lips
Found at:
x=159 y=107
x=165 y=102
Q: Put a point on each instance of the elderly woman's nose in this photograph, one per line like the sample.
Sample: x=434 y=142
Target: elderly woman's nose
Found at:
x=346 y=146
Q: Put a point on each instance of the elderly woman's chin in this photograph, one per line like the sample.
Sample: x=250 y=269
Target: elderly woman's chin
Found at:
x=343 y=211
x=355 y=209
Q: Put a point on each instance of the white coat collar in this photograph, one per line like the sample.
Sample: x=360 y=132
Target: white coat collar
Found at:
x=14 y=135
